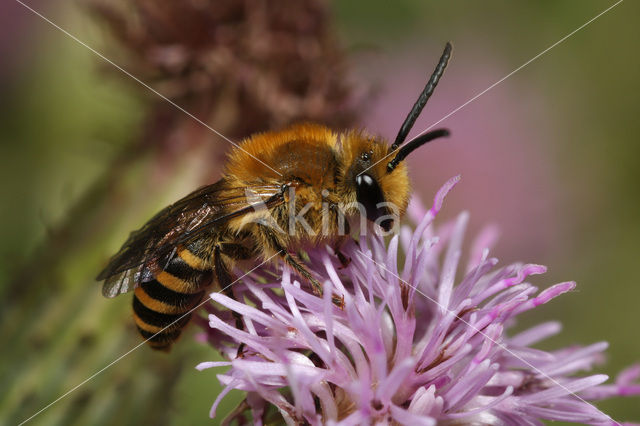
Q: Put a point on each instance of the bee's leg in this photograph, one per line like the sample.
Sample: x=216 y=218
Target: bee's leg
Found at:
x=225 y=282
x=238 y=251
x=239 y=246
x=300 y=269
x=338 y=300
x=344 y=260
x=344 y=235
x=272 y=241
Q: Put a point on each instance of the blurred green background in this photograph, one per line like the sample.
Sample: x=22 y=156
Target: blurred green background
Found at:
x=549 y=155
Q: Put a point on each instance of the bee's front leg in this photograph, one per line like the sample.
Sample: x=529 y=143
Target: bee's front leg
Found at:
x=344 y=233
x=271 y=241
x=344 y=260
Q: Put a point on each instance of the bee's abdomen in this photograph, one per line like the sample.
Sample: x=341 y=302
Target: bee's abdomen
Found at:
x=161 y=307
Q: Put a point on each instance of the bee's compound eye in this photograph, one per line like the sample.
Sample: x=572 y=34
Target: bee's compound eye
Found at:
x=369 y=194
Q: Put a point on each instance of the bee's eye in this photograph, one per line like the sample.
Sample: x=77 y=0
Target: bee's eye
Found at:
x=369 y=194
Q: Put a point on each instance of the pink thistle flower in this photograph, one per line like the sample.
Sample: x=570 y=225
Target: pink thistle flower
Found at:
x=415 y=342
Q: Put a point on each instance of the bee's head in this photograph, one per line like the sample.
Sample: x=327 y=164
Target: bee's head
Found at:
x=376 y=175
x=380 y=195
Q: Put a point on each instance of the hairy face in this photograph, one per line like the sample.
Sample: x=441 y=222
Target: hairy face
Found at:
x=367 y=180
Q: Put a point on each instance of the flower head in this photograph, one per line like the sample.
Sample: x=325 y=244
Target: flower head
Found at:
x=415 y=343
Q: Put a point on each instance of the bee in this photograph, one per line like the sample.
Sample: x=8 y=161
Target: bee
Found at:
x=308 y=168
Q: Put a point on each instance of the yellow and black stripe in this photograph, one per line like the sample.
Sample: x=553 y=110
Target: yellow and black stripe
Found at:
x=160 y=305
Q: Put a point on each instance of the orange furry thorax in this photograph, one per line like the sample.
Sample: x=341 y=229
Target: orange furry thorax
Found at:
x=320 y=159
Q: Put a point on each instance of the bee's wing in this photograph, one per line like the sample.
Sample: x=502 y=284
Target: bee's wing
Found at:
x=156 y=242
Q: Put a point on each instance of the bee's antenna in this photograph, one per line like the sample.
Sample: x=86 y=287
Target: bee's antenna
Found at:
x=415 y=144
x=422 y=99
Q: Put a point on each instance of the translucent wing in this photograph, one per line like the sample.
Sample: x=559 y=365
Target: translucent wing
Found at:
x=203 y=211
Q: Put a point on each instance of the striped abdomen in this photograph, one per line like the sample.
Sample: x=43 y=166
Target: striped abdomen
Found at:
x=160 y=305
